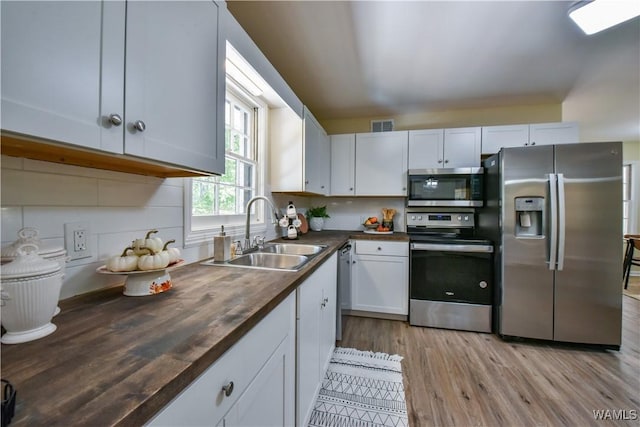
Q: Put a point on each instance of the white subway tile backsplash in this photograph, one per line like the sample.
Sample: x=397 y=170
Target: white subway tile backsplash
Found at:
x=11 y=223
x=9 y=162
x=84 y=278
x=115 y=193
x=62 y=169
x=34 y=188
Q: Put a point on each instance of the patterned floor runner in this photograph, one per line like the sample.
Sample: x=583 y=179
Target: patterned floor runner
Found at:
x=361 y=389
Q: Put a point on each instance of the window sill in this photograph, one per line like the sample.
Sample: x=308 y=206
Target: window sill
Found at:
x=199 y=237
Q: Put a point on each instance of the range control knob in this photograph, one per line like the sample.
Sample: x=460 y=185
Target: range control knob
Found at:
x=483 y=284
x=459 y=217
x=466 y=217
x=413 y=217
x=419 y=217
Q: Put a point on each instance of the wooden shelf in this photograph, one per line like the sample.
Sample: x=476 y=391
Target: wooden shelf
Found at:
x=51 y=151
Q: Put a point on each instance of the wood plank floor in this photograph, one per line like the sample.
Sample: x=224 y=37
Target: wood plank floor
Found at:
x=455 y=378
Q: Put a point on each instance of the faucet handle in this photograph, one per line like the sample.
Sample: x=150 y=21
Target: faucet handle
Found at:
x=238 y=246
x=259 y=241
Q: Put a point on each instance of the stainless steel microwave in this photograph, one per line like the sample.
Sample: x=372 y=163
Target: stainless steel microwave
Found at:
x=446 y=187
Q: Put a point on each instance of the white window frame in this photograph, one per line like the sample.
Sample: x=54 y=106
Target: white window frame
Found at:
x=635 y=196
x=234 y=225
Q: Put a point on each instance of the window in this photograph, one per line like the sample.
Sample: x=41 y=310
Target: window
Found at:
x=221 y=200
x=225 y=197
x=627 y=199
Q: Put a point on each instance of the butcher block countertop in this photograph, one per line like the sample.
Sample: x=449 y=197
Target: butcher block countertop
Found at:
x=117 y=360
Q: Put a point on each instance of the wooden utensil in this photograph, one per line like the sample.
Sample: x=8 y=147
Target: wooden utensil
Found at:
x=304 y=226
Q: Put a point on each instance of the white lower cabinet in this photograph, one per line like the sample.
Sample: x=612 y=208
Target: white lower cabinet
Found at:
x=257 y=373
x=380 y=277
x=316 y=334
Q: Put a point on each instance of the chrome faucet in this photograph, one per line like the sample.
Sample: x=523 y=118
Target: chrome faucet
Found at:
x=247 y=232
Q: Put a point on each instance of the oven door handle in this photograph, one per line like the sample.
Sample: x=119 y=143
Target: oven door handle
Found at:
x=451 y=248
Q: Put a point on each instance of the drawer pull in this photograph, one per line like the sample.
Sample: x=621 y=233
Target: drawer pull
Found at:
x=449 y=293
x=228 y=389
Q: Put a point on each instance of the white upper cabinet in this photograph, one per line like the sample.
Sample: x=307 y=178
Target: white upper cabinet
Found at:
x=553 y=133
x=317 y=156
x=381 y=163
x=173 y=58
x=462 y=147
x=300 y=153
x=496 y=137
x=343 y=157
x=55 y=83
x=444 y=148
x=426 y=148
x=65 y=72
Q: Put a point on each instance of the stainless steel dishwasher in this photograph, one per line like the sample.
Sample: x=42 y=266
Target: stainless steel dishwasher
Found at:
x=344 y=285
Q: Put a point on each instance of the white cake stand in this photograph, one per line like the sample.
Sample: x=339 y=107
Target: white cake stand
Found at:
x=140 y=283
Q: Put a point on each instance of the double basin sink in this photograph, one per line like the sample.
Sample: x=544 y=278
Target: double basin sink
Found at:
x=274 y=256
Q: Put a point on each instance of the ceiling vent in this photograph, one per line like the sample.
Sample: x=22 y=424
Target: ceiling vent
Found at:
x=382 y=125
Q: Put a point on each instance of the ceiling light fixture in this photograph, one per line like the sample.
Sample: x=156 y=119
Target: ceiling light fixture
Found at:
x=597 y=15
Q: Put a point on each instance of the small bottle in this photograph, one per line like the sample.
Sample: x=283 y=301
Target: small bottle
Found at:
x=222 y=246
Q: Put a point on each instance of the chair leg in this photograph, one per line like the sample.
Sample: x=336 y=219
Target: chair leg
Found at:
x=626 y=265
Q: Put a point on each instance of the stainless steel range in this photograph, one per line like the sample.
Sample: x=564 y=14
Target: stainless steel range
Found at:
x=451 y=278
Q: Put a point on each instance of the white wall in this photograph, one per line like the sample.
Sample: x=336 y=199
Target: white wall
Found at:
x=118 y=207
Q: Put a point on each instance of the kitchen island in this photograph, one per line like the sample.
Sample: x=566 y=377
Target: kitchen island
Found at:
x=118 y=360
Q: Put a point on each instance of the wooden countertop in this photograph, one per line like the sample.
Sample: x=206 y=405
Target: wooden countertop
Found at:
x=117 y=360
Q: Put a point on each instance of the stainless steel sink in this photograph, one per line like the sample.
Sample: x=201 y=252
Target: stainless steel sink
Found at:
x=274 y=256
x=265 y=261
x=292 y=248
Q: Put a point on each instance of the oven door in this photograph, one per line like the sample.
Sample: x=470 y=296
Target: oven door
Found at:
x=451 y=273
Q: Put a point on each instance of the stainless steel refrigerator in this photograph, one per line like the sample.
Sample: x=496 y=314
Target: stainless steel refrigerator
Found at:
x=555 y=215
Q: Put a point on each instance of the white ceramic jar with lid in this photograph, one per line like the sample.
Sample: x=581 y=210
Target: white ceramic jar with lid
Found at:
x=30 y=288
x=32 y=235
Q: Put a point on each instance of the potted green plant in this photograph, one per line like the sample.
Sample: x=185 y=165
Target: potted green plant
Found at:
x=316 y=216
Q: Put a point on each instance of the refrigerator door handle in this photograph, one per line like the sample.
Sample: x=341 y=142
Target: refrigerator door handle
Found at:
x=553 y=229
x=561 y=221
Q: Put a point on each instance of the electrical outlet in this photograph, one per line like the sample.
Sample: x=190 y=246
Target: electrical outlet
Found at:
x=76 y=240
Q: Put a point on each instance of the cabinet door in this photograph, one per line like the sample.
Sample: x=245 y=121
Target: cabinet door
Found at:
x=496 y=137
x=308 y=355
x=317 y=156
x=380 y=284
x=268 y=400
x=343 y=158
x=62 y=71
x=426 y=149
x=315 y=334
x=175 y=84
x=553 y=133
x=381 y=163
x=328 y=318
x=462 y=147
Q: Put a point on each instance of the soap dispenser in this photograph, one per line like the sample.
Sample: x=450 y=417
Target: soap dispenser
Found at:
x=222 y=246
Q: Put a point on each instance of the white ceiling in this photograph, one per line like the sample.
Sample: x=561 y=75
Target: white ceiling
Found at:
x=373 y=58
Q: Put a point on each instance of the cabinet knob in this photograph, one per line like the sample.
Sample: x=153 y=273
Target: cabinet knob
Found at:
x=306 y=182
x=115 y=119
x=326 y=300
x=139 y=125
x=533 y=143
x=322 y=186
x=350 y=188
x=440 y=161
x=379 y=248
x=526 y=143
x=353 y=262
x=228 y=389
x=446 y=161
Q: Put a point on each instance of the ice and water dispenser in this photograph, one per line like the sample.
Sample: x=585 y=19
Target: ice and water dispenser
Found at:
x=529 y=213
